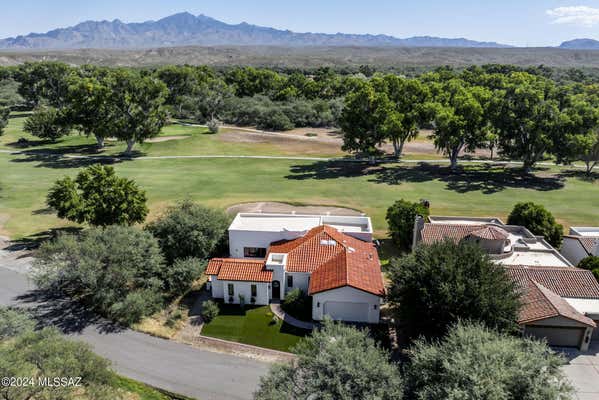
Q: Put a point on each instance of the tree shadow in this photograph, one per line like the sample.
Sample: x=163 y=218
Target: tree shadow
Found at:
x=34 y=241
x=487 y=178
x=69 y=316
x=581 y=175
x=63 y=157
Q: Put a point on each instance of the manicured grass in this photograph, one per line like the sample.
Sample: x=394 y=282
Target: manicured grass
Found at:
x=253 y=325
x=474 y=190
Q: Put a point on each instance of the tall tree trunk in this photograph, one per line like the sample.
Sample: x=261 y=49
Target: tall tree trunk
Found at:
x=453 y=158
x=401 y=144
x=100 y=141
x=396 y=150
x=590 y=165
x=130 y=143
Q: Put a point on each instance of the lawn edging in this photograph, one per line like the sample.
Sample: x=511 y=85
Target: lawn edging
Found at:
x=247 y=349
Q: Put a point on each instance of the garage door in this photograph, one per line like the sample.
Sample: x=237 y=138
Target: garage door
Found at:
x=566 y=337
x=345 y=311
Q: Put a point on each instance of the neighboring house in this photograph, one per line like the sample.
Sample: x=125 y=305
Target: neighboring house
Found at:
x=581 y=243
x=559 y=302
x=330 y=258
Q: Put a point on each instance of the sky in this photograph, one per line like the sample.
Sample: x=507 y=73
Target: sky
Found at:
x=521 y=23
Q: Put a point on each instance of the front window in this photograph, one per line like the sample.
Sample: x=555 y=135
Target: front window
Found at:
x=289 y=281
x=254 y=290
x=254 y=252
x=231 y=289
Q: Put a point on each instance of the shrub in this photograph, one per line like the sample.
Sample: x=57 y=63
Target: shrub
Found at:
x=274 y=119
x=475 y=362
x=298 y=305
x=438 y=284
x=14 y=322
x=4 y=114
x=99 y=197
x=336 y=362
x=210 y=310
x=538 y=220
x=46 y=123
x=179 y=277
x=590 y=263
x=117 y=270
x=212 y=126
x=400 y=218
x=189 y=230
x=47 y=353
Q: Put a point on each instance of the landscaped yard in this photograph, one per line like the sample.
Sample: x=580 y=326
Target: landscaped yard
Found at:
x=253 y=325
x=475 y=190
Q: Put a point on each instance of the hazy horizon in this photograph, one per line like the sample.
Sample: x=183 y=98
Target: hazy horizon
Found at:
x=536 y=23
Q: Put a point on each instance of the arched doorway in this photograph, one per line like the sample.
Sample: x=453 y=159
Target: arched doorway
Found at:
x=276 y=290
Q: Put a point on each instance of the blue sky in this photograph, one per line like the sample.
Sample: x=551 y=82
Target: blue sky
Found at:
x=524 y=22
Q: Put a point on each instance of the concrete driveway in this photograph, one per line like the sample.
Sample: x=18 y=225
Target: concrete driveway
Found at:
x=583 y=371
x=161 y=363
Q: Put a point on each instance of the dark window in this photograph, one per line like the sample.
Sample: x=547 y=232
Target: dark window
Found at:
x=254 y=252
x=231 y=290
x=254 y=290
x=289 y=281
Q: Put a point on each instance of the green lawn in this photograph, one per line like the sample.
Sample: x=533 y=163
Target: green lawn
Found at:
x=142 y=391
x=255 y=326
x=475 y=190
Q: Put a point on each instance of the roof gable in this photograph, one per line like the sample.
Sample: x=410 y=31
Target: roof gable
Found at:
x=234 y=269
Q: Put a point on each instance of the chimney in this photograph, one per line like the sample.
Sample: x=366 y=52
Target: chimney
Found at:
x=418 y=226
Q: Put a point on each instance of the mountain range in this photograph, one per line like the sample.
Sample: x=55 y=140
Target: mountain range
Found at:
x=581 y=44
x=185 y=29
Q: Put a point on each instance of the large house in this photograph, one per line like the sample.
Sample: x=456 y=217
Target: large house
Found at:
x=559 y=302
x=581 y=243
x=331 y=258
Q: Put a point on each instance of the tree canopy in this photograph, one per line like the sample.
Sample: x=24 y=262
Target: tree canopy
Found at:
x=538 y=220
x=99 y=197
x=47 y=123
x=401 y=217
x=337 y=362
x=441 y=283
x=475 y=362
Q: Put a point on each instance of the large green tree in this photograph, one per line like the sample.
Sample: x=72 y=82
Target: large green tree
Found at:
x=408 y=98
x=99 y=197
x=137 y=104
x=441 y=283
x=475 y=362
x=526 y=113
x=118 y=271
x=190 y=230
x=538 y=220
x=4 y=114
x=401 y=217
x=43 y=81
x=363 y=120
x=458 y=113
x=337 y=362
x=47 y=123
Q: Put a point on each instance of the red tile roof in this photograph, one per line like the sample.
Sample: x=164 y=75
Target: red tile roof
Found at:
x=234 y=269
x=334 y=260
x=432 y=233
x=490 y=233
x=540 y=303
x=564 y=281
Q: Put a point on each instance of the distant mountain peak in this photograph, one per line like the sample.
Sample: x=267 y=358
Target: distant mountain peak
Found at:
x=186 y=29
x=581 y=44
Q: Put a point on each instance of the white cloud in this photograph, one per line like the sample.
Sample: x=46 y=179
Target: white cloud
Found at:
x=575 y=15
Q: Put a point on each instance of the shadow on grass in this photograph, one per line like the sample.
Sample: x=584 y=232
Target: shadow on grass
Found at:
x=75 y=156
x=54 y=309
x=34 y=241
x=487 y=178
x=581 y=174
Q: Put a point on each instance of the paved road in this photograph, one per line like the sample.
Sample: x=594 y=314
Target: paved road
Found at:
x=169 y=365
x=583 y=371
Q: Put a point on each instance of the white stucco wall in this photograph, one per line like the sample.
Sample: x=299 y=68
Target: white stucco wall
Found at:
x=217 y=287
x=240 y=239
x=301 y=281
x=244 y=288
x=350 y=296
x=572 y=249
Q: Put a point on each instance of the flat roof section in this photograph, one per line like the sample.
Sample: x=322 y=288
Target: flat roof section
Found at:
x=585 y=231
x=535 y=258
x=258 y=222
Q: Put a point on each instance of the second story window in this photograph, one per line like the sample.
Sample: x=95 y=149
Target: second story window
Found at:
x=254 y=252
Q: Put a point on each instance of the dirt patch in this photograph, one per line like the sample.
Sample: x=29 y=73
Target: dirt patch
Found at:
x=166 y=138
x=284 y=208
